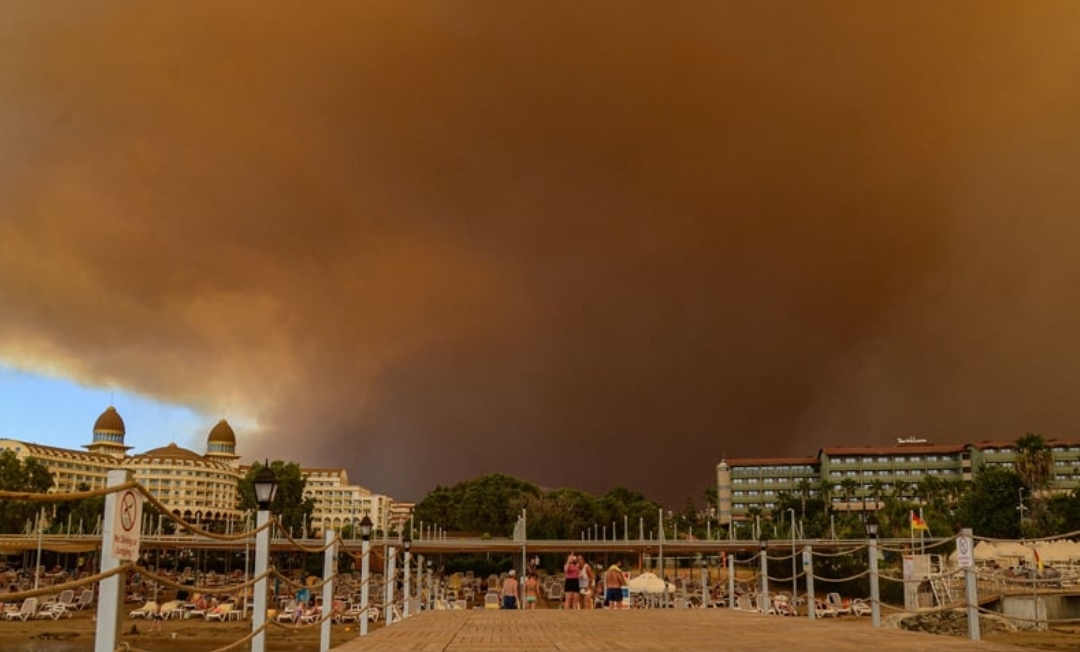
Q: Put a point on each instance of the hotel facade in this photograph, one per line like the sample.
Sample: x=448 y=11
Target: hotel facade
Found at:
x=199 y=488
x=857 y=478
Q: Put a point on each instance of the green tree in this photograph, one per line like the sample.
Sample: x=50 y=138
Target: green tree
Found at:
x=849 y=486
x=805 y=488
x=291 y=506
x=877 y=491
x=1035 y=466
x=989 y=508
x=83 y=513
x=1033 y=462
x=28 y=475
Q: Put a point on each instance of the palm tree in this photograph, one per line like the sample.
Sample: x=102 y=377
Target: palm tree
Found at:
x=1035 y=465
x=1033 y=462
x=877 y=490
x=901 y=489
x=804 y=487
x=825 y=490
x=849 y=486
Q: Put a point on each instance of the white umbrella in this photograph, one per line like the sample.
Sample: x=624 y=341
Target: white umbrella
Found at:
x=649 y=583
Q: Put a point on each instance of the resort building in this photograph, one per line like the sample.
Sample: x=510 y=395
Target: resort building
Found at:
x=859 y=478
x=198 y=488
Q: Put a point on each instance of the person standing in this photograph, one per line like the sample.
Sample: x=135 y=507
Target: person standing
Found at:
x=532 y=590
x=510 y=590
x=571 y=587
x=615 y=581
x=586 y=582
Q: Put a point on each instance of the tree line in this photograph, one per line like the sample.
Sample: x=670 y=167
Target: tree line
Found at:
x=491 y=505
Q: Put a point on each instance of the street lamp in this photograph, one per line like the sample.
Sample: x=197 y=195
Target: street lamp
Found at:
x=406 y=545
x=266 y=484
x=365 y=547
x=875 y=603
x=763 y=542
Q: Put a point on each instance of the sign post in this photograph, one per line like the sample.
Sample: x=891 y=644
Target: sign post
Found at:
x=119 y=544
x=965 y=556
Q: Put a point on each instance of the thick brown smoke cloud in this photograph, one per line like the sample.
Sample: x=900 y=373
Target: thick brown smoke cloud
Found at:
x=588 y=244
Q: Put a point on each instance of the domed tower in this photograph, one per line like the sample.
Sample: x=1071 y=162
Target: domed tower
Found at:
x=221 y=444
x=109 y=434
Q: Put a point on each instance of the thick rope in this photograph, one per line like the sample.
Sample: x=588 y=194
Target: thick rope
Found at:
x=819 y=578
x=35 y=497
x=301 y=585
x=301 y=547
x=232 y=588
x=840 y=553
x=56 y=588
x=127 y=647
x=167 y=511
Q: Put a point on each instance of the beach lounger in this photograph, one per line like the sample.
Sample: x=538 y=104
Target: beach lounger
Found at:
x=28 y=609
x=144 y=611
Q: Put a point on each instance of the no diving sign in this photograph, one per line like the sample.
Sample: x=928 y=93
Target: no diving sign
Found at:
x=965 y=556
x=125 y=531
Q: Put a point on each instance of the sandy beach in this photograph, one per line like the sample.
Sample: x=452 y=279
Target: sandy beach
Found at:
x=76 y=634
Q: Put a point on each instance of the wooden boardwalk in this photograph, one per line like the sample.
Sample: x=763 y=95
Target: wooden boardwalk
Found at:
x=647 y=630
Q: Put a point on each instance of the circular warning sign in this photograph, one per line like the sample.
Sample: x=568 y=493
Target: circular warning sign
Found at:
x=129 y=509
x=962 y=545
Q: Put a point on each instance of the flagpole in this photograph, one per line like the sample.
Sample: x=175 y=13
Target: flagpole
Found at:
x=911 y=529
x=922 y=533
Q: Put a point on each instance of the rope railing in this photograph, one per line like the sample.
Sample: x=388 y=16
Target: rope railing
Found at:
x=231 y=588
x=782 y=580
x=837 y=580
x=57 y=588
x=127 y=647
x=301 y=547
x=45 y=497
x=166 y=510
x=772 y=558
x=300 y=585
x=936 y=543
x=839 y=553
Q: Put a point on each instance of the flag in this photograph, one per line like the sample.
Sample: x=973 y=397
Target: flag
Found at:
x=1038 y=559
x=917 y=523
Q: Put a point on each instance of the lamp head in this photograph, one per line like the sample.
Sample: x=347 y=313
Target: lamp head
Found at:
x=266 y=484
x=872 y=526
x=406 y=542
x=365 y=528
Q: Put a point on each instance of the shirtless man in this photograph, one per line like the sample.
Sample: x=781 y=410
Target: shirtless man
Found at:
x=615 y=582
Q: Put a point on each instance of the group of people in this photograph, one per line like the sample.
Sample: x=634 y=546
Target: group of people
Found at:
x=511 y=588
x=579 y=586
x=581 y=582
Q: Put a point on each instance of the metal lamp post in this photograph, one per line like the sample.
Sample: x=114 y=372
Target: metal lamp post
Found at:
x=406 y=545
x=365 y=548
x=875 y=601
x=266 y=485
x=794 y=564
x=764 y=544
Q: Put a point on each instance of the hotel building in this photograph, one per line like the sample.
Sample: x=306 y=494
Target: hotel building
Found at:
x=198 y=488
x=857 y=478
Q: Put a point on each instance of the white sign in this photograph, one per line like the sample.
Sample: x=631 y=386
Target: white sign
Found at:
x=806 y=559
x=965 y=556
x=126 y=525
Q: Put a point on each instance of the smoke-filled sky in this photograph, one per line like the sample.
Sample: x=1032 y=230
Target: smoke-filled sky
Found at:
x=585 y=244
